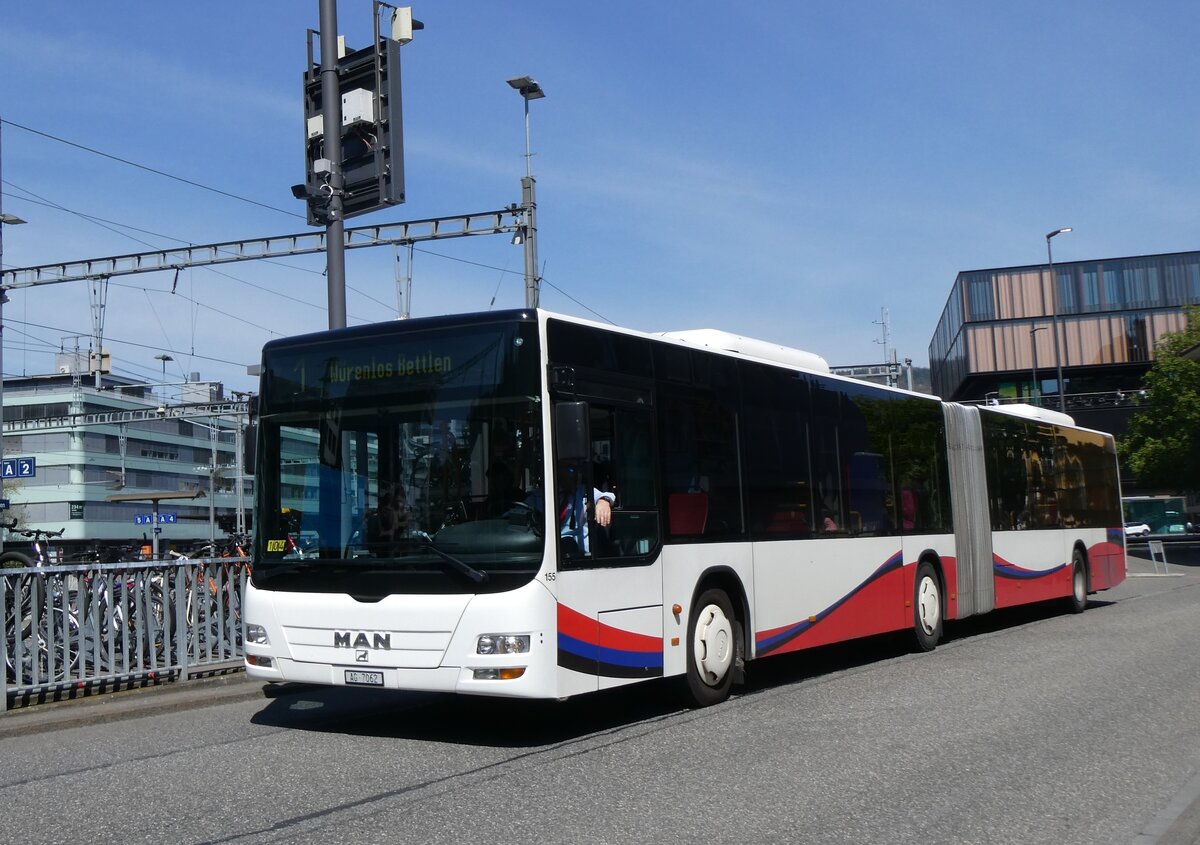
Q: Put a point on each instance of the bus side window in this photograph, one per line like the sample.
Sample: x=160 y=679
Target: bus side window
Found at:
x=622 y=447
x=699 y=440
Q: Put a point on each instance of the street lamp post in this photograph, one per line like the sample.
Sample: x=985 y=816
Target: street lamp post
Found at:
x=1062 y=388
x=331 y=127
x=529 y=89
x=5 y=220
x=1035 y=392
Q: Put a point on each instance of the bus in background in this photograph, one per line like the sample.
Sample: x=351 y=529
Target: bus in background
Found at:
x=531 y=505
x=1145 y=515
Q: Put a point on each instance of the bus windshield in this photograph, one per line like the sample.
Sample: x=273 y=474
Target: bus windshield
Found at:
x=400 y=457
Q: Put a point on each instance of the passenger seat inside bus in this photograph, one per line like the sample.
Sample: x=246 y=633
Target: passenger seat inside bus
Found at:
x=687 y=513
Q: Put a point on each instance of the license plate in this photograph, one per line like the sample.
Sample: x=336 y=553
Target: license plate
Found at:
x=368 y=679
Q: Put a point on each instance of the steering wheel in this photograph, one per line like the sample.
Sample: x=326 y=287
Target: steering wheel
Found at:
x=531 y=514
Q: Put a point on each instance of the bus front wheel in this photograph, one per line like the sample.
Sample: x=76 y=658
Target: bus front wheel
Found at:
x=927 y=608
x=712 y=648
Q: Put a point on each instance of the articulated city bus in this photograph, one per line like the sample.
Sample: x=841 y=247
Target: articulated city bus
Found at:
x=527 y=504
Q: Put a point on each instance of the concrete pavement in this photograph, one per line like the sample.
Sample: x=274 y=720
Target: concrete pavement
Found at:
x=130 y=703
x=1183 y=560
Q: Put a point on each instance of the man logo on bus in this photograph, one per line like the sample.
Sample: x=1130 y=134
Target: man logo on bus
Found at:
x=358 y=639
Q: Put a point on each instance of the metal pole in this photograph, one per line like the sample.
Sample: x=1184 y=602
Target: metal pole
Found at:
x=529 y=204
x=155 y=529
x=239 y=457
x=528 y=88
x=331 y=109
x=3 y=299
x=1033 y=387
x=528 y=151
x=1062 y=388
x=212 y=490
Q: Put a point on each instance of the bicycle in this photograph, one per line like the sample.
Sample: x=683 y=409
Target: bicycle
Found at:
x=111 y=621
x=42 y=554
x=41 y=626
x=126 y=621
x=212 y=606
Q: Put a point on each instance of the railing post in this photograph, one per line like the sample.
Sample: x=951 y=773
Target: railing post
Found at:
x=181 y=627
x=4 y=614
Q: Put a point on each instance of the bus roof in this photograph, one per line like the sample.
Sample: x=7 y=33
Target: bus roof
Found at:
x=1031 y=412
x=751 y=348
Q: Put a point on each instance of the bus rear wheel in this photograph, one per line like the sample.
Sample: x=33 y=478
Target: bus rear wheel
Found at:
x=927 y=608
x=712 y=648
x=1079 y=586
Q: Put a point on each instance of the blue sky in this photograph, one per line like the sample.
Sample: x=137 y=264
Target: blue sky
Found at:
x=783 y=170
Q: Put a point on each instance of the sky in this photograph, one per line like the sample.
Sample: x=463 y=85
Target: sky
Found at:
x=782 y=170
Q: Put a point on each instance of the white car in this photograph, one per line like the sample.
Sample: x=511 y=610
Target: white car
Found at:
x=1137 y=529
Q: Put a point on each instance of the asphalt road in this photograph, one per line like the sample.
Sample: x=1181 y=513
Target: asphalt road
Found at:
x=1023 y=727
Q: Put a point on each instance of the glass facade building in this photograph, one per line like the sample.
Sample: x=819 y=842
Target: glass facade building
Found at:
x=996 y=336
x=92 y=446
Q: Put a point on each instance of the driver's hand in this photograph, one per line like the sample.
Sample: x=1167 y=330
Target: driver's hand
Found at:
x=603 y=512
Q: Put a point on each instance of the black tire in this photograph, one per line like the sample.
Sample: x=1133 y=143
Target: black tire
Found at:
x=928 y=608
x=1078 y=600
x=713 y=647
x=15 y=560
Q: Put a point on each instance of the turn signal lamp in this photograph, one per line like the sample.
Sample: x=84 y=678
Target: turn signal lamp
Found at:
x=505 y=674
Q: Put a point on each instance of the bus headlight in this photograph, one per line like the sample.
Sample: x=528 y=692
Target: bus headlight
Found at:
x=257 y=634
x=502 y=644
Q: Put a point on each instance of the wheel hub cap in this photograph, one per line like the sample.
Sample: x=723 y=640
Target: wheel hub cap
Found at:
x=928 y=605
x=713 y=646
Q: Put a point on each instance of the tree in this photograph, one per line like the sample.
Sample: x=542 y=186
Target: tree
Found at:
x=1163 y=445
x=9 y=490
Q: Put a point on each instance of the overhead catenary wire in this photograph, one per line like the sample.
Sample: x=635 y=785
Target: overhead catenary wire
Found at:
x=153 y=170
x=132 y=343
x=230 y=195
x=425 y=251
x=107 y=224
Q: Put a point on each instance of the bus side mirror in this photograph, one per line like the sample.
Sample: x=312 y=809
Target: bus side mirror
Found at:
x=249 y=448
x=571 y=431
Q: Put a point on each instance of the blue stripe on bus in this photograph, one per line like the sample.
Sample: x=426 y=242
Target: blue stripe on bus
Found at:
x=1008 y=570
x=610 y=656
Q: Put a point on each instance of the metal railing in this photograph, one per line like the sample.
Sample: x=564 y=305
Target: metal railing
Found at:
x=1073 y=401
x=86 y=627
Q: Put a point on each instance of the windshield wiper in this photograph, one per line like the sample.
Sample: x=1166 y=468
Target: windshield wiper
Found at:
x=459 y=566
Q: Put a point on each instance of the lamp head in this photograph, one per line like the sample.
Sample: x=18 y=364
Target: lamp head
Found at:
x=528 y=87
